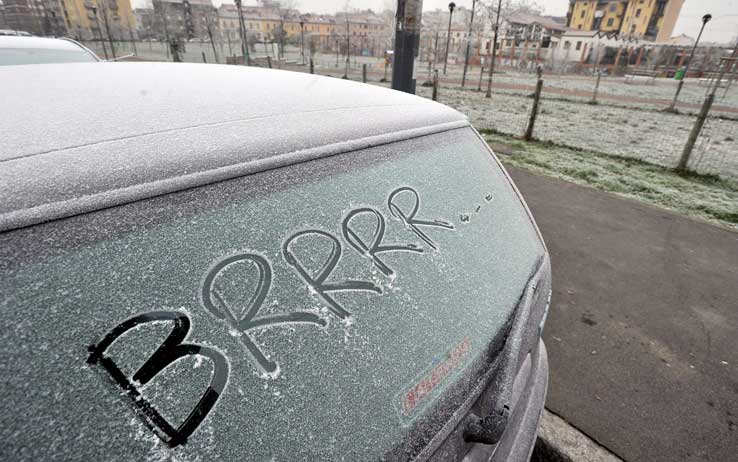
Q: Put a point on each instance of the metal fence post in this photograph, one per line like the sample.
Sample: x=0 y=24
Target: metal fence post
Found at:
x=312 y=66
x=269 y=61
x=597 y=87
x=363 y=72
x=696 y=129
x=203 y=57
x=435 y=85
x=534 y=110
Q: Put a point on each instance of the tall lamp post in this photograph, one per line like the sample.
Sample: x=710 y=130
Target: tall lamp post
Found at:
x=451 y=7
x=468 y=43
x=494 y=52
x=705 y=19
x=242 y=29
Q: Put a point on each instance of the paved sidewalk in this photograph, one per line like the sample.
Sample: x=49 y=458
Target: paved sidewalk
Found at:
x=643 y=330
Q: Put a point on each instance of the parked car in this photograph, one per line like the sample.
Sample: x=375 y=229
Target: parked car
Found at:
x=229 y=263
x=15 y=32
x=16 y=49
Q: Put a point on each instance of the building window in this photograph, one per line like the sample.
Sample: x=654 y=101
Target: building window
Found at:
x=638 y=13
x=579 y=45
x=567 y=45
x=632 y=29
x=583 y=13
x=613 y=7
x=610 y=22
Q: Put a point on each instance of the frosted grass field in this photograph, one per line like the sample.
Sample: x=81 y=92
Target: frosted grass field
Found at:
x=705 y=198
x=652 y=136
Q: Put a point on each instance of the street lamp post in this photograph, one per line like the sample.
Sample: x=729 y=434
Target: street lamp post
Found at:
x=242 y=29
x=102 y=40
x=451 y=7
x=494 y=52
x=468 y=43
x=705 y=19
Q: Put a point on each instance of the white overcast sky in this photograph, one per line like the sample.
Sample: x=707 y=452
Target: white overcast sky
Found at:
x=723 y=28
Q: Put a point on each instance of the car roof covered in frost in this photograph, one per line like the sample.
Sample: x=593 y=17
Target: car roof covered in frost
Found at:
x=81 y=137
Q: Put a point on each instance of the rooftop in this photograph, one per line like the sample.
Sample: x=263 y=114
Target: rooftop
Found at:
x=526 y=19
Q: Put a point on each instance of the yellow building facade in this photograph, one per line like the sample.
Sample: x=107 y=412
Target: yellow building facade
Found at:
x=82 y=23
x=582 y=14
x=612 y=16
x=654 y=19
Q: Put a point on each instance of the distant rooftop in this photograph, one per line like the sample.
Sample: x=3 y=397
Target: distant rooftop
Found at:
x=527 y=19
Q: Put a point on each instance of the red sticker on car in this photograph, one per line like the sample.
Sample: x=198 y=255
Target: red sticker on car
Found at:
x=427 y=384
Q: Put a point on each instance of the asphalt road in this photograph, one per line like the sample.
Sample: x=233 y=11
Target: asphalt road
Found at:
x=643 y=331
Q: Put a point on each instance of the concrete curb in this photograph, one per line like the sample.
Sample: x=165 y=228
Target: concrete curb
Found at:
x=560 y=442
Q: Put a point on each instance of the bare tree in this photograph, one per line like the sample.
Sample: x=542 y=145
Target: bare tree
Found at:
x=285 y=11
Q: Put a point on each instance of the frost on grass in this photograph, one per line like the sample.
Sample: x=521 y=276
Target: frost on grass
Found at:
x=706 y=198
x=623 y=129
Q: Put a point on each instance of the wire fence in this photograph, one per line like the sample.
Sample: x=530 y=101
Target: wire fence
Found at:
x=615 y=115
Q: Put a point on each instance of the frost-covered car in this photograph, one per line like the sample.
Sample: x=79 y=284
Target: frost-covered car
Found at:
x=225 y=263
x=19 y=49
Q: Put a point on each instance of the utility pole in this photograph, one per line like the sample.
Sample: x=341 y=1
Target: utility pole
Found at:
x=107 y=28
x=242 y=29
x=705 y=19
x=494 y=51
x=451 y=7
x=407 y=41
x=99 y=28
x=468 y=43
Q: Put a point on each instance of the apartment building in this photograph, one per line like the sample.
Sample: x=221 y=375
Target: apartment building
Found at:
x=184 y=19
x=38 y=17
x=93 y=19
x=647 y=19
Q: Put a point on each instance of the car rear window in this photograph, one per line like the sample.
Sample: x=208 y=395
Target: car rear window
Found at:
x=324 y=310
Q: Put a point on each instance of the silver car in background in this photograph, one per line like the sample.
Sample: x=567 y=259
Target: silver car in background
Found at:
x=26 y=49
x=230 y=263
